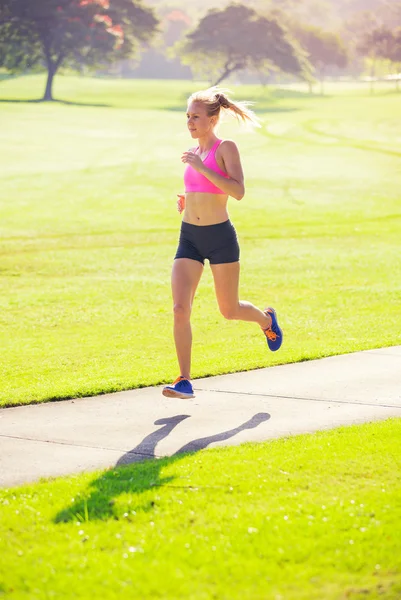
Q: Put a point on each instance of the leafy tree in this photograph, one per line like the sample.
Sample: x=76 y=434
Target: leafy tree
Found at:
x=237 y=38
x=388 y=47
x=70 y=33
x=395 y=54
x=309 y=11
x=354 y=28
x=324 y=48
x=379 y=43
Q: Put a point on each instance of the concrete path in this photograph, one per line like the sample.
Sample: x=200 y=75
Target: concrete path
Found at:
x=60 y=438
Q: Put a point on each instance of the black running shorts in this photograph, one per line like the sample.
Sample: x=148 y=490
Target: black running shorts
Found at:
x=218 y=243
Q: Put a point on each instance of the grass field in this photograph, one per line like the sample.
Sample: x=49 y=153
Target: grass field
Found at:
x=89 y=227
x=313 y=517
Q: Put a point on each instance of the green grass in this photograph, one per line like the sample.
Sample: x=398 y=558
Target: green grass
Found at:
x=88 y=230
x=311 y=517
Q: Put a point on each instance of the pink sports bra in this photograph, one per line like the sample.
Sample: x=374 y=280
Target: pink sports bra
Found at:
x=196 y=182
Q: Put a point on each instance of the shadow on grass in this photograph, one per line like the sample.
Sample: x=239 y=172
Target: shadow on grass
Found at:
x=7 y=76
x=41 y=101
x=139 y=471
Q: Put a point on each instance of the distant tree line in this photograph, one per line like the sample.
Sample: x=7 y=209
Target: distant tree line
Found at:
x=237 y=38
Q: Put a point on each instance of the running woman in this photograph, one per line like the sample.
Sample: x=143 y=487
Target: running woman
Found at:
x=213 y=173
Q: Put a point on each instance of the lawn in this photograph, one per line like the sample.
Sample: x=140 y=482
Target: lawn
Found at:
x=311 y=517
x=89 y=227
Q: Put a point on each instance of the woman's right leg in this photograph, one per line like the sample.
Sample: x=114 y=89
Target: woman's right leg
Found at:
x=184 y=281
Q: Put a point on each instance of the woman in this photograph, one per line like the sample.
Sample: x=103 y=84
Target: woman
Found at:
x=213 y=173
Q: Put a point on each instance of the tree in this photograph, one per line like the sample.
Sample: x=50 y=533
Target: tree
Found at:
x=354 y=27
x=377 y=44
x=70 y=33
x=395 y=54
x=237 y=38
x=373 y=36
x=324 y=48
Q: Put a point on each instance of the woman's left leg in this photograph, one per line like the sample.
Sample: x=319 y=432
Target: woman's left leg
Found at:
x=226 y=284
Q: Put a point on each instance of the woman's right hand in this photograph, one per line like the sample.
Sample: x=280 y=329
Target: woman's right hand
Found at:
x=180 y=203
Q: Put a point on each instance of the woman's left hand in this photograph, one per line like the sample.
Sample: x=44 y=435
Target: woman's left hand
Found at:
x=194 y=160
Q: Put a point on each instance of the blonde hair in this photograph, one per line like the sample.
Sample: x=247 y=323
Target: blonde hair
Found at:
x=217 y=103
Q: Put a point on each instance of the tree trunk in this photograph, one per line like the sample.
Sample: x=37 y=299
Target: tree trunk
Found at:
x=322 y=73
x=228 y=70
x=226 y=73
x=49 y=83
x=262 y=79
x=52 y=67
x=372 y=74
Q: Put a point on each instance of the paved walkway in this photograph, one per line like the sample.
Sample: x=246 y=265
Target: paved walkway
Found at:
x=60 y=438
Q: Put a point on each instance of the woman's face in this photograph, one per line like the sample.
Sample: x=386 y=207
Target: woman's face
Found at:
x=198 y=123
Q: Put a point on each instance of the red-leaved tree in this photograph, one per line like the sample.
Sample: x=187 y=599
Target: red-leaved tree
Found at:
x=71 y=33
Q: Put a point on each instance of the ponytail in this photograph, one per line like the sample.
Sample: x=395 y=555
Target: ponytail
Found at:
x=217 y=100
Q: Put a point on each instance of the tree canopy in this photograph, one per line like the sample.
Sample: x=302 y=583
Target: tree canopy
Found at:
x=237 y=38
x=73 y=33
x=395 y=52
x=377 y=43
x=381 y=43
x=324 y=48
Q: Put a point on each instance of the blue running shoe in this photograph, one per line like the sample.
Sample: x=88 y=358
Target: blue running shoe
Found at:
x=274 y=334
x=181 y=388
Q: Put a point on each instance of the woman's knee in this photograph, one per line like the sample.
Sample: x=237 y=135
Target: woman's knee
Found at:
x=229 y=312
x=181 y=312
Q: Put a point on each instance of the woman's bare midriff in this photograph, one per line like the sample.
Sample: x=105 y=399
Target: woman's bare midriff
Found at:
x=205 y=209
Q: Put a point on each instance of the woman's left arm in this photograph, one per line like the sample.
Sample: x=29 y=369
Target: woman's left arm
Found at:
x=234 y=185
